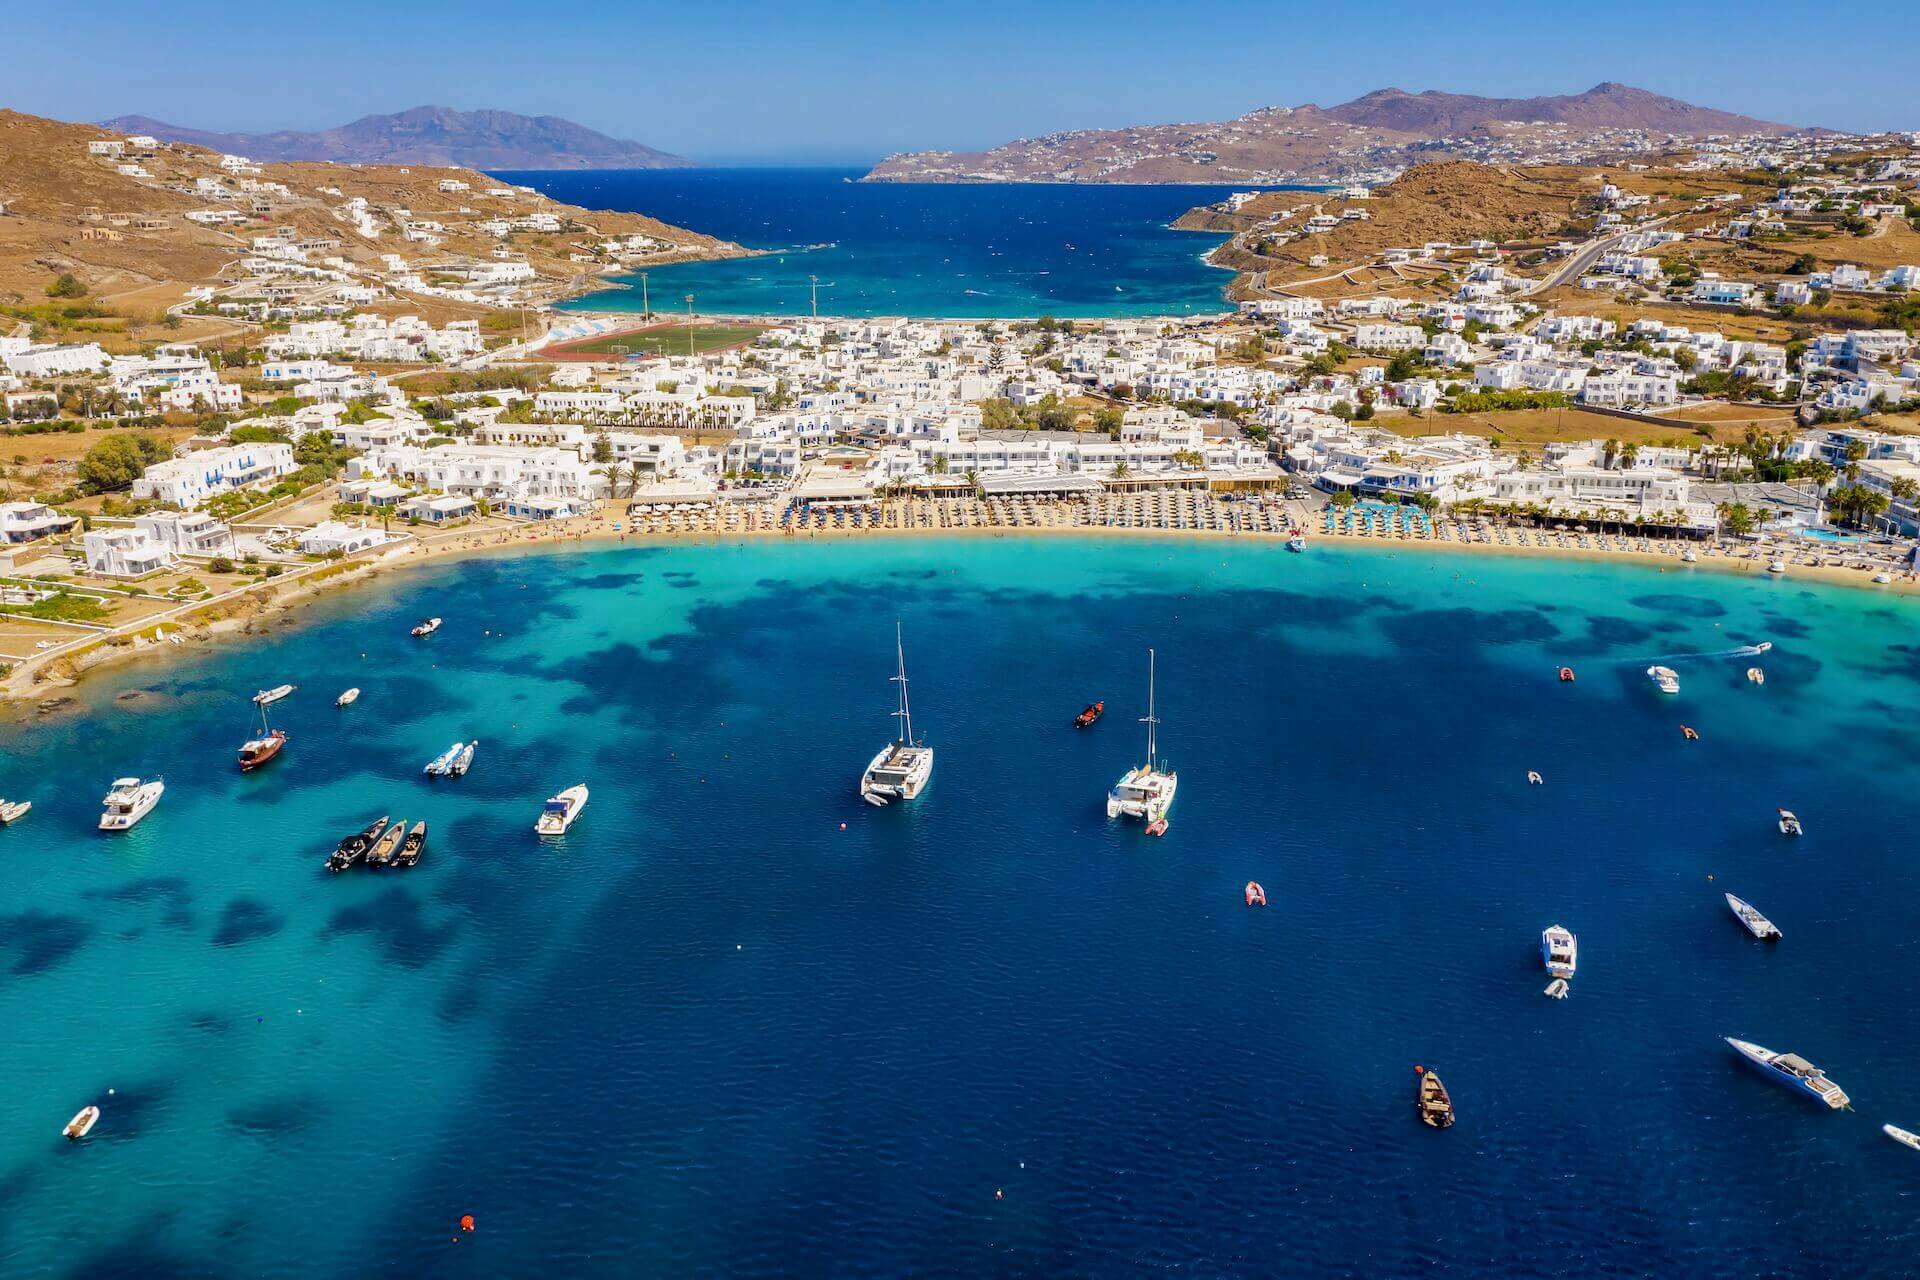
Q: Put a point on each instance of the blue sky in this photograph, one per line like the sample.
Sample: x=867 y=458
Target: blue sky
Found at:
x=729 y=81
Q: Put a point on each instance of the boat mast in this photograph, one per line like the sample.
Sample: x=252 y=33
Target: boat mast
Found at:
x=905 y=713
x=1150 y=720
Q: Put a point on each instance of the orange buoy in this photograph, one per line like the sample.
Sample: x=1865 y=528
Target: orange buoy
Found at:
x=466 y=1222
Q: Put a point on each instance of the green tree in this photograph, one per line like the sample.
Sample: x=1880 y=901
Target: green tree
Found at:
x=67 y=285
x=117 y=461
x=602 y=447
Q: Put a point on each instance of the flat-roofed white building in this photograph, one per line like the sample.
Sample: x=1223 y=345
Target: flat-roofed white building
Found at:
x=187 y=533
x=189 y=481
x=123 y=553
x=30 y=521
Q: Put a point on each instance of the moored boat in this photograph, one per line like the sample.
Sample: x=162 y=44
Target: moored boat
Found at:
x=1777 y=566
x=1790 y=825
x=12 y=811
x=458 y=766
x=1756 y=675
x=348 y=698
x=1566 y=675
x=257 y=751
x=1534 y=779
x=1256 y=896
x=1901 y=1136
x=1146 y=791
x=1793 y=1071
x=412 y=846
x=1432 y=1100
x=1689 y=733
x=901 y=769
x=82 y=1123
x=1296 y=542
x=128 y=802
x=387 y=845
x=1756 y=924
x=1559 y=950
x=279 y=691
x=560 y=811
x=355 y=846
x=1665 y=679
x=439 y=765
x=427 y=628
x=1557 y=989
x=1089 y=714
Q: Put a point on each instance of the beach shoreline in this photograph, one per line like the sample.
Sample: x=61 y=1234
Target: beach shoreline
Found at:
x=270 y=602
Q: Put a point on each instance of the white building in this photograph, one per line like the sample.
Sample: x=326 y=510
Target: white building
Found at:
x=29 y=521
x=123 y=553
x=190 y=533
x=189 y=481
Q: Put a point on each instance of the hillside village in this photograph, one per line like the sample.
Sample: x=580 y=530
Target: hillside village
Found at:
x=1573 y=363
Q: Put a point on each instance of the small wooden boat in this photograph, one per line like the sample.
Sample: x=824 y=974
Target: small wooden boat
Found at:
x=1566 y=675
x=384 y=848
x=82 y=1124
x=427 y=628
x=258 y=751
x=13 y=810
x=1901 y=1136
x=1256 y=896
x=1436 y=1107
x=274 y=694
x=348 y=698
x=1089 y=715
x=412 y=847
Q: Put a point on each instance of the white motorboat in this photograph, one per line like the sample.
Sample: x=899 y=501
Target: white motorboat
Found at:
x=279 y=691
x=427 y=628
x=12 y=811
x=901 y=769
x=1665 y=679
x=128 y=802
x=1559 y=950
x=1901 y=1136
x=440 y=764
x=560 y=811
x=348 y=698
x=1533 y=778
x=1790 y=825
x=462 y=762
x=1793 y=1071
x=1757 y=925
x=1147 y=790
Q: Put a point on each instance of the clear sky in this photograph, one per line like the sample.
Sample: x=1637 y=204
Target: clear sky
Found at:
x=744 y=82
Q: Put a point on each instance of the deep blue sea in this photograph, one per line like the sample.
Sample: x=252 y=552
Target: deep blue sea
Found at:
x=929 y=250
x=738 y=1024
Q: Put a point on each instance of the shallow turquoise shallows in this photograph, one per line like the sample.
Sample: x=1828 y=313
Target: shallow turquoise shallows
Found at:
x=737 y=1023
x=890 y=249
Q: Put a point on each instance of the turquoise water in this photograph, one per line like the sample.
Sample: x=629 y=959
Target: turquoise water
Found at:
x=711 y=1032
x=985 y=250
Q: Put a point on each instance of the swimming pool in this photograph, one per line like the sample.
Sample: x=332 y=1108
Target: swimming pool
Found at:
x=1830 y=535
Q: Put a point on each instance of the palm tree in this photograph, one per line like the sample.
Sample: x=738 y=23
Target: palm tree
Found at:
x=1608 y=452
x=973 y=479
x=1121 y=470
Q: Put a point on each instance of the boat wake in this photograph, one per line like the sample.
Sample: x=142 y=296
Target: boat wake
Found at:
x=1742 y=651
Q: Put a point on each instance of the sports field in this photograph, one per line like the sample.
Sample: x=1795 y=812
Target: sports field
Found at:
x=660 y=340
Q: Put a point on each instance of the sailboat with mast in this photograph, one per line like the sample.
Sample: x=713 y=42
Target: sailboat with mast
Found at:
x=255 y=752
x=903 y=766
x=1146 y=792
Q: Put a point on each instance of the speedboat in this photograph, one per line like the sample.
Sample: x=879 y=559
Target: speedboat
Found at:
x=1087 y=716
x=901 y=768
x=1793 y=1071
x=1146 y=791
x=1666 y=679
x=427 y=628
x=82 y=1124
x=1757 y=925
x=13 y=810
x=129 y=801
x=257 y=751
x=412 y=846
x=1690 y=733
x=1901 y=1136
x=387 y=845
x=1765 y=646
x=462 y=762
x=439 y=765
x=1534 y=778
x=1557 y=989
x=1566 y=675
x=560 y=811
x=274 y=694
x=1790 y=825
x=1756 y=675
x=1559 y=950
x=355 y=846
x=1436 y=1108
x=1256 y=896
x=348 y=698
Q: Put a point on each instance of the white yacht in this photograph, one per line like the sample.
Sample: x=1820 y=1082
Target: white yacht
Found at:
x=348 y=698
x=1146 y=791
x=427 y=628
x=128 y=802
x=560 y=811
x=13 y=810
x=901 y=769
x=1666 y=679
x=1559 y=951
x=1756 y=924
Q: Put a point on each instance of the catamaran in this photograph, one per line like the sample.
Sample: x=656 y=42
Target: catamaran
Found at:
x=128 y=802
x=902 y=767
x=1146 y=791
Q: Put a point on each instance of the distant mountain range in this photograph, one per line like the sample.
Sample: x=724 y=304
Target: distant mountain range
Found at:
x=1370 y=137
x=428 y=136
